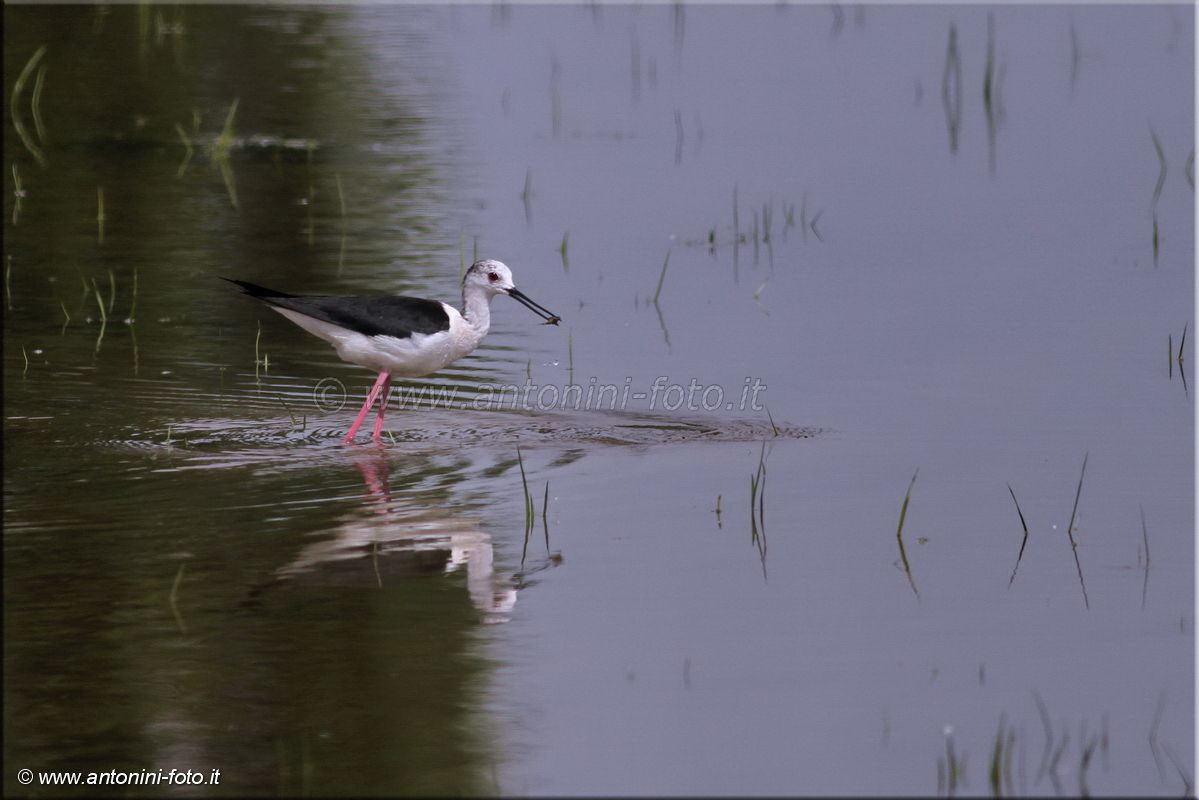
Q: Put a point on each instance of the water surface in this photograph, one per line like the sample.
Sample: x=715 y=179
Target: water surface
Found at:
x=934 y=234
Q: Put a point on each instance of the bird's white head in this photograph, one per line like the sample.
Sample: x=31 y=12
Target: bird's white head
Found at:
x=488 y=276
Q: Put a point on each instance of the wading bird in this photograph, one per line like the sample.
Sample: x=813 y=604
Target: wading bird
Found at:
x=400 y=336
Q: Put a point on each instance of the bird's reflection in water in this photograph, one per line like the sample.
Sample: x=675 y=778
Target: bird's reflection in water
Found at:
x=408 y=533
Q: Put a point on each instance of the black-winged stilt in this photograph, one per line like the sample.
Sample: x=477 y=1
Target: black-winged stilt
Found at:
x=404 y=336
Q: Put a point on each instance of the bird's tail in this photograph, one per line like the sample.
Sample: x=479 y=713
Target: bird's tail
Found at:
x=254 y=290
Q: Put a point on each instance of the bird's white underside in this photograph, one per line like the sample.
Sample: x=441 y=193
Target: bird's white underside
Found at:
x=411 y=357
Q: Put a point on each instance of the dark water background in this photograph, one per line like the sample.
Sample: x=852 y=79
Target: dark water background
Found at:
x=935 y=234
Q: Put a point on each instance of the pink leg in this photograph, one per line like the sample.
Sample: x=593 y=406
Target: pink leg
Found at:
x=382 y=409
x=370 y=401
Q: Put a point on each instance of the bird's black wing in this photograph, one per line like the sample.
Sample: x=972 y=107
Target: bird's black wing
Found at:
x=370 y=315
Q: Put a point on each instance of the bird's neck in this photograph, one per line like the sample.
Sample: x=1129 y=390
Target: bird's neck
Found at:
x=476 y=310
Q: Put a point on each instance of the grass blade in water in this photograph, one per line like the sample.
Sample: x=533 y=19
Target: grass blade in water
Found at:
x=1070 y=532
x=1024 y=541
x=17 y=123
x=903 y=553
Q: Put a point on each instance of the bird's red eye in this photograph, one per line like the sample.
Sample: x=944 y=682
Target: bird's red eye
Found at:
x=491 y=276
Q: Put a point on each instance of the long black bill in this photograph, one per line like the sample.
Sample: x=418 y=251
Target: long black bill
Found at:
x=547 y=315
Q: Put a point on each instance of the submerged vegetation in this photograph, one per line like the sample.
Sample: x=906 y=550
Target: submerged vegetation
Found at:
x=757 y=508
x=1070 y=532
x=551 y=558
x=524 y=485
x=100 y=216
x=1023 y=541
x=15 y=106
x=951 y=89
x=18 y=194
x=763 y=231
x=661 y=278
x=903 y=552
x=220 y=151
x=1161 y=161
x=1065 y=763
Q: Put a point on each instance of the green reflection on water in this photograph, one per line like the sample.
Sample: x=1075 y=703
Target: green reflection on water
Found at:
x=355 y=669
